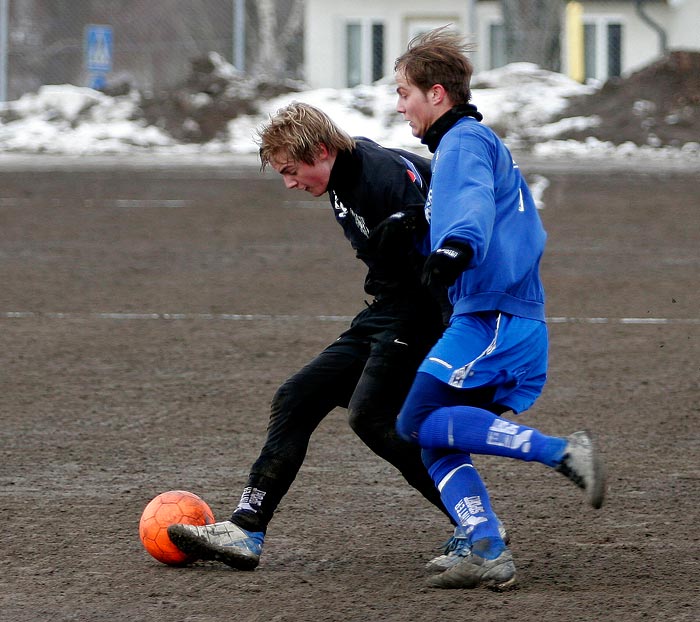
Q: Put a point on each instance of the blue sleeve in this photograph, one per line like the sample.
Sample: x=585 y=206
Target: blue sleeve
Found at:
x=463 y=203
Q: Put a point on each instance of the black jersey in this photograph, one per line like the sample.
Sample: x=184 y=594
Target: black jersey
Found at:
x=367 y=185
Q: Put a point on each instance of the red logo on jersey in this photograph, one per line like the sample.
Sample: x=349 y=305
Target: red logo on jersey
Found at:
x=412 y=175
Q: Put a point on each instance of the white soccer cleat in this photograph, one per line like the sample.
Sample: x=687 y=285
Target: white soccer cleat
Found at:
x=474 y=570
x=457 y=548
x=583 y=466
x=225 y=542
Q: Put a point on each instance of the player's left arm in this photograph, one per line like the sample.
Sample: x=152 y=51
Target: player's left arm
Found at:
x=462 y=202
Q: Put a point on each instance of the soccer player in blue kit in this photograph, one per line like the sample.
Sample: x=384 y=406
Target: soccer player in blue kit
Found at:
x=486 y=243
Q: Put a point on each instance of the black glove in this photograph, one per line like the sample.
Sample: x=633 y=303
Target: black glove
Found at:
x=398 y=233
x=444 y=265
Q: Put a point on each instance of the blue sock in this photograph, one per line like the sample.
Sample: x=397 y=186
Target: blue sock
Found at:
x=464 y=495
x=477 y=431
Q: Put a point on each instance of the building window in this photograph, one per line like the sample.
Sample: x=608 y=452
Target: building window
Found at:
x=602 y=48
x=364 y=52
x=353 y=33
x=614 y=50
x=497 y=46
x=589 y=51
x=377 y=52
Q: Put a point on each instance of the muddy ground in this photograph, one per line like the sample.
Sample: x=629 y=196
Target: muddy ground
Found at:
x=147 y=315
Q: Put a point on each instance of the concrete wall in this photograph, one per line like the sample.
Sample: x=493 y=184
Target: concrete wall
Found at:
x=684 y=25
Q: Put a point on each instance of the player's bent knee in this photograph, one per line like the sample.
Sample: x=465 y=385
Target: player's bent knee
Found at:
x=363 y=424
x=405 y=429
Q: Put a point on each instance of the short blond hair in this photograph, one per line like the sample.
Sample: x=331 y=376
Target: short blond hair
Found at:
x=297 y=131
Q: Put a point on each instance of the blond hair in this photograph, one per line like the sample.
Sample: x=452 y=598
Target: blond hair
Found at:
x=438 y=56
x=296 y=132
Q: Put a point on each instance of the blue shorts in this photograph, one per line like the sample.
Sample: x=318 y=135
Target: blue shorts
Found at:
x=493 y=350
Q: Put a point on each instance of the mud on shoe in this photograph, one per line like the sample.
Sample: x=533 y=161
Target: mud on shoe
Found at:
x=224 y=542
x=457 y=548
x=477 y=570
x=583 y=466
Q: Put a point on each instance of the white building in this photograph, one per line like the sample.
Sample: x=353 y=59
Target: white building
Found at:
x=348 y=43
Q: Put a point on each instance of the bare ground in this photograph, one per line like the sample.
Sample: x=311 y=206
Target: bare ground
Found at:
x=106 y=401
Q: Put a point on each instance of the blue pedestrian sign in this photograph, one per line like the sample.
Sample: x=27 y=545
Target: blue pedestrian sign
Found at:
x=98 y=53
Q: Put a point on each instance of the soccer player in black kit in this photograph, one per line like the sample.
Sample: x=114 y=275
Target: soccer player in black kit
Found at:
x=377 y=196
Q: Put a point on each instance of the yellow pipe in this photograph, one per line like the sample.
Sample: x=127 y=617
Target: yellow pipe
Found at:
x=574 y=41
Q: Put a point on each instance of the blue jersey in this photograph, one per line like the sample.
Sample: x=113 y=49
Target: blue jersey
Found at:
x=478 y=197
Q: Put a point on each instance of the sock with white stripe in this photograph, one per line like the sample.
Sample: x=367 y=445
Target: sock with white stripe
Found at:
x=465 y=496
x=477 y=431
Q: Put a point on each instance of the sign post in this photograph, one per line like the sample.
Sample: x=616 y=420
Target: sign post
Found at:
x=4 y=48
x=98 y=54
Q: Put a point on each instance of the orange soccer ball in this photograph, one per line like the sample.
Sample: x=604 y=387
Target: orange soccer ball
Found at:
x=174 y=506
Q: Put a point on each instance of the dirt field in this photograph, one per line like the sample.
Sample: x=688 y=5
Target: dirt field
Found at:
x=147 y=316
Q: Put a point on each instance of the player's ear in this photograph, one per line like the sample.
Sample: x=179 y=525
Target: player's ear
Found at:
x=322 y=152
x=437 y=94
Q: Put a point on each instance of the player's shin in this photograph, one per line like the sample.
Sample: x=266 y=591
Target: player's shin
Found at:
x=466 y=498
x=477 y=431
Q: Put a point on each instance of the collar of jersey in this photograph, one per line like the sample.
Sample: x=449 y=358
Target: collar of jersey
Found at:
x=438 y=129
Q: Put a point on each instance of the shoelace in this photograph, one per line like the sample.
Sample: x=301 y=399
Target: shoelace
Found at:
x=457 y=545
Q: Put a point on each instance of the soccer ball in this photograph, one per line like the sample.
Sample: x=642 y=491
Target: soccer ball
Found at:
x=174 y=506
